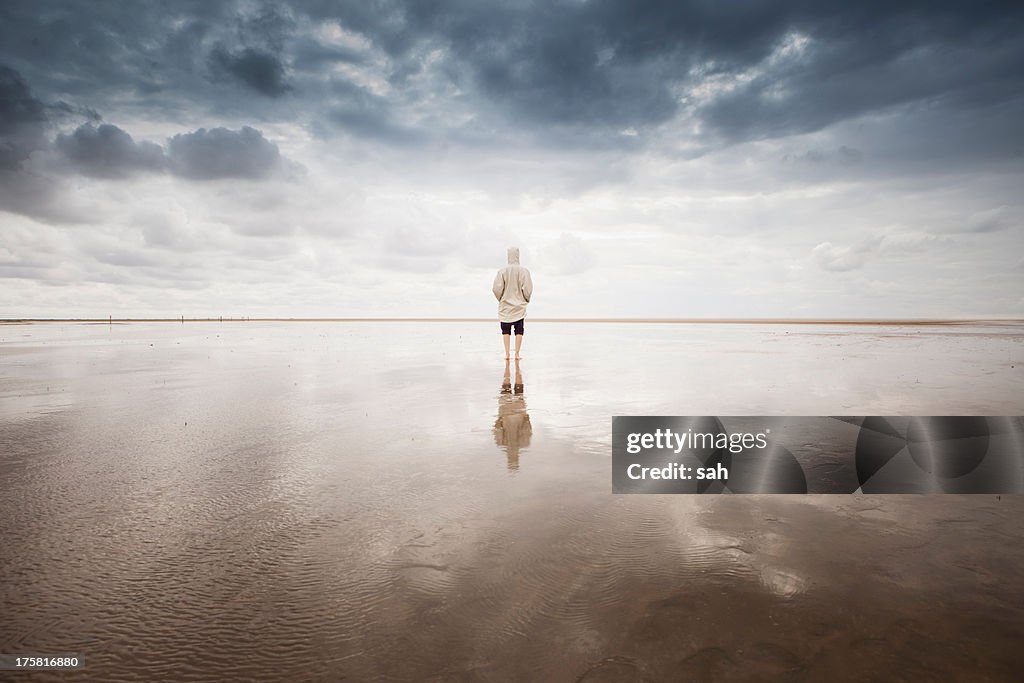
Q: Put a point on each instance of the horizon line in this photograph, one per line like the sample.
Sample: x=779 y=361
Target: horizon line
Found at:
x=777 y=321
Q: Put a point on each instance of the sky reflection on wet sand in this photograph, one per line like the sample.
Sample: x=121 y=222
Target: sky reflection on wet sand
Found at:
x=308 y=501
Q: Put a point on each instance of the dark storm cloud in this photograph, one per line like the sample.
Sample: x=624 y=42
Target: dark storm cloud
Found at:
x=313 y=55
x=103 y=48
x=795 y=66
x=365 y=114
x=22 y=120
x=580 y=70
x=18 y=107
x=107 y=151
x=36 y=189
x=222 y=153
x=365 y=124
x=259 y=70
x=838 y=75
x=24 y=123
x=544 y=62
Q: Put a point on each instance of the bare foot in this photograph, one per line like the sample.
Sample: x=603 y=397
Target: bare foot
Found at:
x=517 y=358
x=506 y=357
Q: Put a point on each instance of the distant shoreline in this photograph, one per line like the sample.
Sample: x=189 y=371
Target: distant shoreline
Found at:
x=676 y=321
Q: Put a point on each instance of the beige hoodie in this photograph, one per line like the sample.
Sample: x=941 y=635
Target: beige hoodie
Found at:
x=512 y=288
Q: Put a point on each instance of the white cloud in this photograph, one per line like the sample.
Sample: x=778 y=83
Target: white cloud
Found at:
x=837 y=259
x=567 y=255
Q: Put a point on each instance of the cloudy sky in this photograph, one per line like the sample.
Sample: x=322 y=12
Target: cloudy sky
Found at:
x=677 y=159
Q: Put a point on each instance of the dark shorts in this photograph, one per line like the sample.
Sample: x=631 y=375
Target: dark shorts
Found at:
x=506 y=328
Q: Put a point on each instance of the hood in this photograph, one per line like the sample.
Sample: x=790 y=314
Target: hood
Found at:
x=513 y=255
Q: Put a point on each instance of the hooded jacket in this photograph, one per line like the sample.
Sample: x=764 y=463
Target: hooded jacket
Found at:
x=512 y=288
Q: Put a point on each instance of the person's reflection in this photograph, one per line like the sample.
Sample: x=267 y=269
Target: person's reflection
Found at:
x=512 y=429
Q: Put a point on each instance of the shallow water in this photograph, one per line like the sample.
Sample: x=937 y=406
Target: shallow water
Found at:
x=379 y=501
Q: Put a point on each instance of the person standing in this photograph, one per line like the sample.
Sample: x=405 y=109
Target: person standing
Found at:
x=512 y=288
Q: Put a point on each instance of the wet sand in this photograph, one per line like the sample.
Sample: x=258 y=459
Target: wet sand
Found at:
x=380 y=501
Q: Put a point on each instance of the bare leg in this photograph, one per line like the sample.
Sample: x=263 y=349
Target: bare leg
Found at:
x=506 y=338
x=519 y=345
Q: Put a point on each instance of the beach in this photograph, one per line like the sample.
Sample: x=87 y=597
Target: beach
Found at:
x=361 y=500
